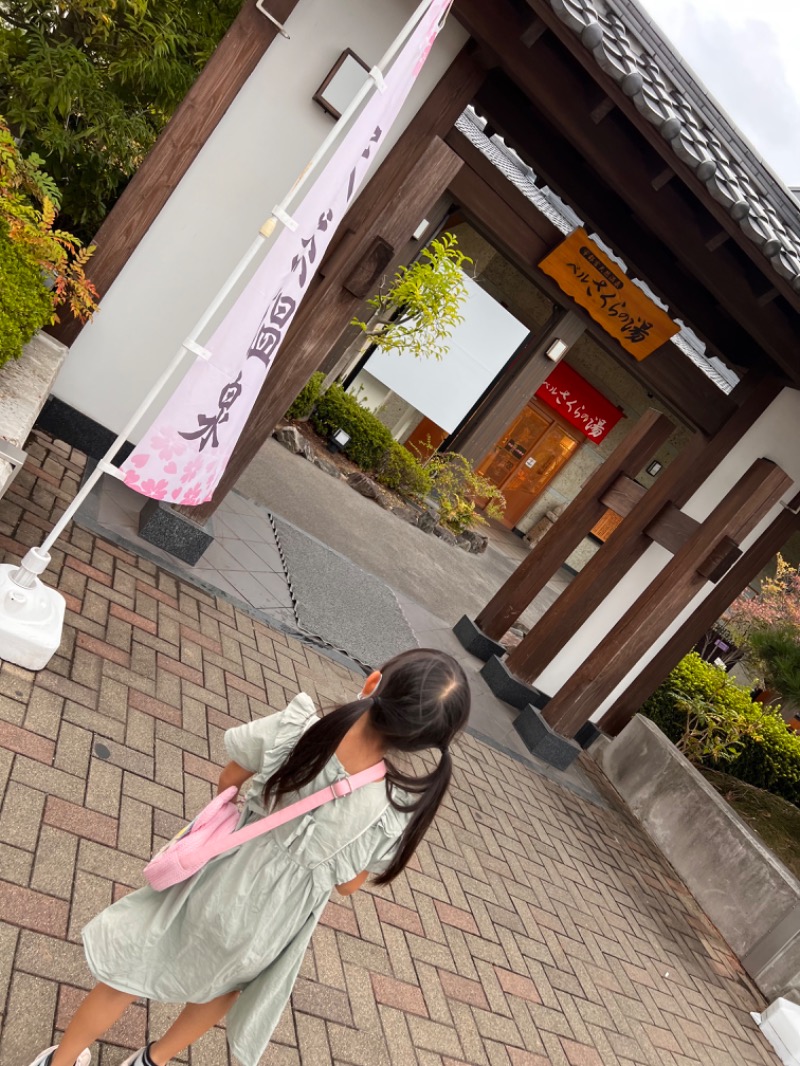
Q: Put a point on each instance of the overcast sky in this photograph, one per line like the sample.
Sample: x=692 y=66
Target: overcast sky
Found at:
x=747 y=52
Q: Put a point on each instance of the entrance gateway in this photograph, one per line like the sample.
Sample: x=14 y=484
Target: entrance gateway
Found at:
x=601 y=110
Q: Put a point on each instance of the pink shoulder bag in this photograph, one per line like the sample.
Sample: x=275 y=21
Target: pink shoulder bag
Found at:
x=212 y=832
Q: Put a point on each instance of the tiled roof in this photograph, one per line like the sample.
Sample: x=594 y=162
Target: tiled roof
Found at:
x=631 y=49
x=520 y=174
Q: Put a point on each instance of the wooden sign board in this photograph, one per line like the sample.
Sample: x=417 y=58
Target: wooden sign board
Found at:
x=606 y=526
x=624 y=311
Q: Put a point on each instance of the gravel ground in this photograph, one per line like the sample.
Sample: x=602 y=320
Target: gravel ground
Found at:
x=338 y=601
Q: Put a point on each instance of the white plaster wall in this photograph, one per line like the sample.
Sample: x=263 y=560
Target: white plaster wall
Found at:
x=477 y=349
x=776 y=436
x=252 y=158
x=369 y=391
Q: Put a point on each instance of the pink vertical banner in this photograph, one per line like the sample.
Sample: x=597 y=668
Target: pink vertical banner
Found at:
x=183 y=454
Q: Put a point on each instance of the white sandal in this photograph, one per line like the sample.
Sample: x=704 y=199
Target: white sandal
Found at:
x=137 y=1058
x=84 y=1059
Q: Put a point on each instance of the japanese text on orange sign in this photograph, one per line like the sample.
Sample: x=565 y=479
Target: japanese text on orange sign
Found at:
x=624 y=311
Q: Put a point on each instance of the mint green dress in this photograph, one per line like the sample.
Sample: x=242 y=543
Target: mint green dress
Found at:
x=245 y=920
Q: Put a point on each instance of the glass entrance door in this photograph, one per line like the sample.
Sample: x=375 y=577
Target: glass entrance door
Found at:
x=528 y=455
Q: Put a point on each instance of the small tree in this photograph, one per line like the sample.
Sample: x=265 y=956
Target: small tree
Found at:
x=420 y=308
x=41 y=268
x=776 y=604
x=775 y=652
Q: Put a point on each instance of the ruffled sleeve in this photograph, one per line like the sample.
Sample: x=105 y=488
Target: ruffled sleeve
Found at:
x=264 y=744
x=387 y=833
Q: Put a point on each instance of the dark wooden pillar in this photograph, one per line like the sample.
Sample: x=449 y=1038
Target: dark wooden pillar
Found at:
x=231 y=64
x=512 y=391
x=768 y=544
x=409 y=182
x=565 y=535
x=628 y=542
x=705 y=556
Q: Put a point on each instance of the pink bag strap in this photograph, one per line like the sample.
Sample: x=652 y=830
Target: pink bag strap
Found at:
x=337 y=790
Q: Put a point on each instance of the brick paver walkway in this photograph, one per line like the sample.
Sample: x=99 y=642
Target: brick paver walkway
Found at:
x=533 y=928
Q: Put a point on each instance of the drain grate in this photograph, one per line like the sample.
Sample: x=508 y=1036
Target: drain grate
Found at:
x=302 y=634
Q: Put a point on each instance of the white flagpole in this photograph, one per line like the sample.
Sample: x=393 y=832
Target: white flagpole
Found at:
x=191 y=344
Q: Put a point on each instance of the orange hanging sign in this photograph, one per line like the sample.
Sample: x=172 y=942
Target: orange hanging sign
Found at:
x=624 y=311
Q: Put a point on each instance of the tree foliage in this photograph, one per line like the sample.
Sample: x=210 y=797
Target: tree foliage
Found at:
x=422 y=302
x=41 y=268
x=776 y=604
x=89 y=84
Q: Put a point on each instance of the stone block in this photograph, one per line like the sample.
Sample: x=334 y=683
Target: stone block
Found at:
x=444 y=535
x=542 y=740
x=475 y=641
x=159 y=524
x=744 y=889
x=331 y=469
x=510 y=689
x=365 y=485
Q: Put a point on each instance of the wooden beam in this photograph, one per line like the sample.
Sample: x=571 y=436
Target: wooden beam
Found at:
x=759 y=489
x=599 y=111
x=531 y=34
x=214 y=90
x=565 y=535
x=700 y=620
x=623 y=495
x=661 y=179
x=606 y=568
x=558 y=88
x=485 y=179
x=671 y=528
x=718 y=239
x=408 y=183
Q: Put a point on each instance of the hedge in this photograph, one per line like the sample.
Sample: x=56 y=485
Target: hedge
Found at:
x=770 y=751
x=306 y=398
x=25 y=302
x=369 y=440
x=400 y=471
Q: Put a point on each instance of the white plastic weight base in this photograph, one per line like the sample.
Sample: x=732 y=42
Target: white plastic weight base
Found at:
x=31 y=616
x=780 y=1024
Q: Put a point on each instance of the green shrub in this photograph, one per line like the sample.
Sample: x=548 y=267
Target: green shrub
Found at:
x=32 y=250
x=400 y=471
x=766 y=751
x=25 y=302
x=306 y=397
x=369 y=437
x=457 y=488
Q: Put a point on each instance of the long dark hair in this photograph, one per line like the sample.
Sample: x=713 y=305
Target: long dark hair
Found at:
x=422 y=702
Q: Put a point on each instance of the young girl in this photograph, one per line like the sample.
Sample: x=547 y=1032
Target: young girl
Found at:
x=231 y=939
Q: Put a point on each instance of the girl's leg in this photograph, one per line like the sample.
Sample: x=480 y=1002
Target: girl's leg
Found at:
x=194 y=1020
x=98 y=1012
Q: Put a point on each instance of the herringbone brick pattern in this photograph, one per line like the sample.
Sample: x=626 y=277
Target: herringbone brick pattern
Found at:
x=533 y=928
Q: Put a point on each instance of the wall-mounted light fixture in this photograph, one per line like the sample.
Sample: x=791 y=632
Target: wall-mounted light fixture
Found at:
x=654 y=468
x=556 y=350
x=341 y=83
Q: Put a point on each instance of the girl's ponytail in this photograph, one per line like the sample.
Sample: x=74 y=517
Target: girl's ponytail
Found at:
x=431 y=789
x=314 y=749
